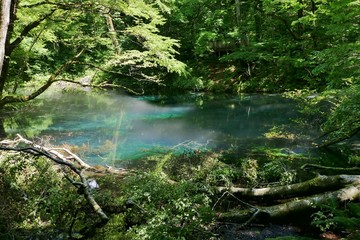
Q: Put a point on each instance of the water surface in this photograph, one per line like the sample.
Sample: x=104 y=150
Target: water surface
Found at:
x=112 y=128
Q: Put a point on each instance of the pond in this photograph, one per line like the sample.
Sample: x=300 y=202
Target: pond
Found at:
x=113 y=128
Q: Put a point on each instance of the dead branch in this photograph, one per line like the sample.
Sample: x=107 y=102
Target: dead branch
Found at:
x=250 y=213
x=21 y=144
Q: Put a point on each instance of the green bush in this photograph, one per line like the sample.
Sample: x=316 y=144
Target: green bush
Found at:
x=35 y=199
x=159 y=209
x=340 y=219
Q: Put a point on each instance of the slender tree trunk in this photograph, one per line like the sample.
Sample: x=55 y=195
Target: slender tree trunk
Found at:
x=112 y=33
x=2 y=129
x=257 y=19
x=4 y=25
x=313 y=34
x=238 y=13
x=8 y=17
x=243 y=36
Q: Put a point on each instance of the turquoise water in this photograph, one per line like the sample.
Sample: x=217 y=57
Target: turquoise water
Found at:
x=110 y=128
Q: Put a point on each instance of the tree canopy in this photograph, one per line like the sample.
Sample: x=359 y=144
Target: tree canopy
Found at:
x=49 y=41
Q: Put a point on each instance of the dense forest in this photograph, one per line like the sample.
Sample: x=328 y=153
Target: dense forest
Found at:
x=306 y=50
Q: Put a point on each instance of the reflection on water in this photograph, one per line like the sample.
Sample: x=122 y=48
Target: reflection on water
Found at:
x=114 y=127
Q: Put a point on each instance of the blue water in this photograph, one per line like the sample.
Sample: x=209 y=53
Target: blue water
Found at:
x=110 y=128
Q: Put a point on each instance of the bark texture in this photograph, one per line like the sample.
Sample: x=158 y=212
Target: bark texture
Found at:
x=4 y=24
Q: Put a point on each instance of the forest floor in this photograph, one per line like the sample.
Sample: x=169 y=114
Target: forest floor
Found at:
x=262 y=232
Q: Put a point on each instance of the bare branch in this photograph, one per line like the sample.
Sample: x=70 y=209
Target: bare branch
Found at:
x=143 y=78
x=36 y=4
x=17 y=99
x=58 y=158
x=101 y=85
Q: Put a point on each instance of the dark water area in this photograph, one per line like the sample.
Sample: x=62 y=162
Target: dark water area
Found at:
x=112 y=128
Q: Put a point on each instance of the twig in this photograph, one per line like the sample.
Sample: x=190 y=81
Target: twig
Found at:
x=242 y=202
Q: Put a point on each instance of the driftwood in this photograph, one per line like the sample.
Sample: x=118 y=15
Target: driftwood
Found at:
x=71 y=162
x=347 y=188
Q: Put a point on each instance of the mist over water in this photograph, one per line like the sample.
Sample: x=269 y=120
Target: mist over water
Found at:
x=108 y=128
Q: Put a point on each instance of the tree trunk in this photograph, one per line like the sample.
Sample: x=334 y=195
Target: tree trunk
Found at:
x=312 y=186
x=2 y=128
x=238 y=13
x=258 y=19
x=8 y=13
x=4 y=25
x=293 y=206
x=113 y=34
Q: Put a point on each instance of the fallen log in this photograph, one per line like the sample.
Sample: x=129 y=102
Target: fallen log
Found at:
x=295 y=205
x=331 y=170
x=312 y=186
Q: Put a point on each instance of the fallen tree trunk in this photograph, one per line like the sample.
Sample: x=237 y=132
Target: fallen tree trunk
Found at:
x=315 y=192
x=295 y=205
x=331 y=170
x=312 y=186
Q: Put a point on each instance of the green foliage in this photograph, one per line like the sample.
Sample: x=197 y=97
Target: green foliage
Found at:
x=39 y=203
x=48 y=35
x=344 y=119
x=200 y=166
x=278 y=170
x=193 y=83
x=161 y=210
x=334 y=112
x=338 y=218
x=36 y=201
x=250 y=170
x=157 y=50
x=312 y=44
x=354 y=160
